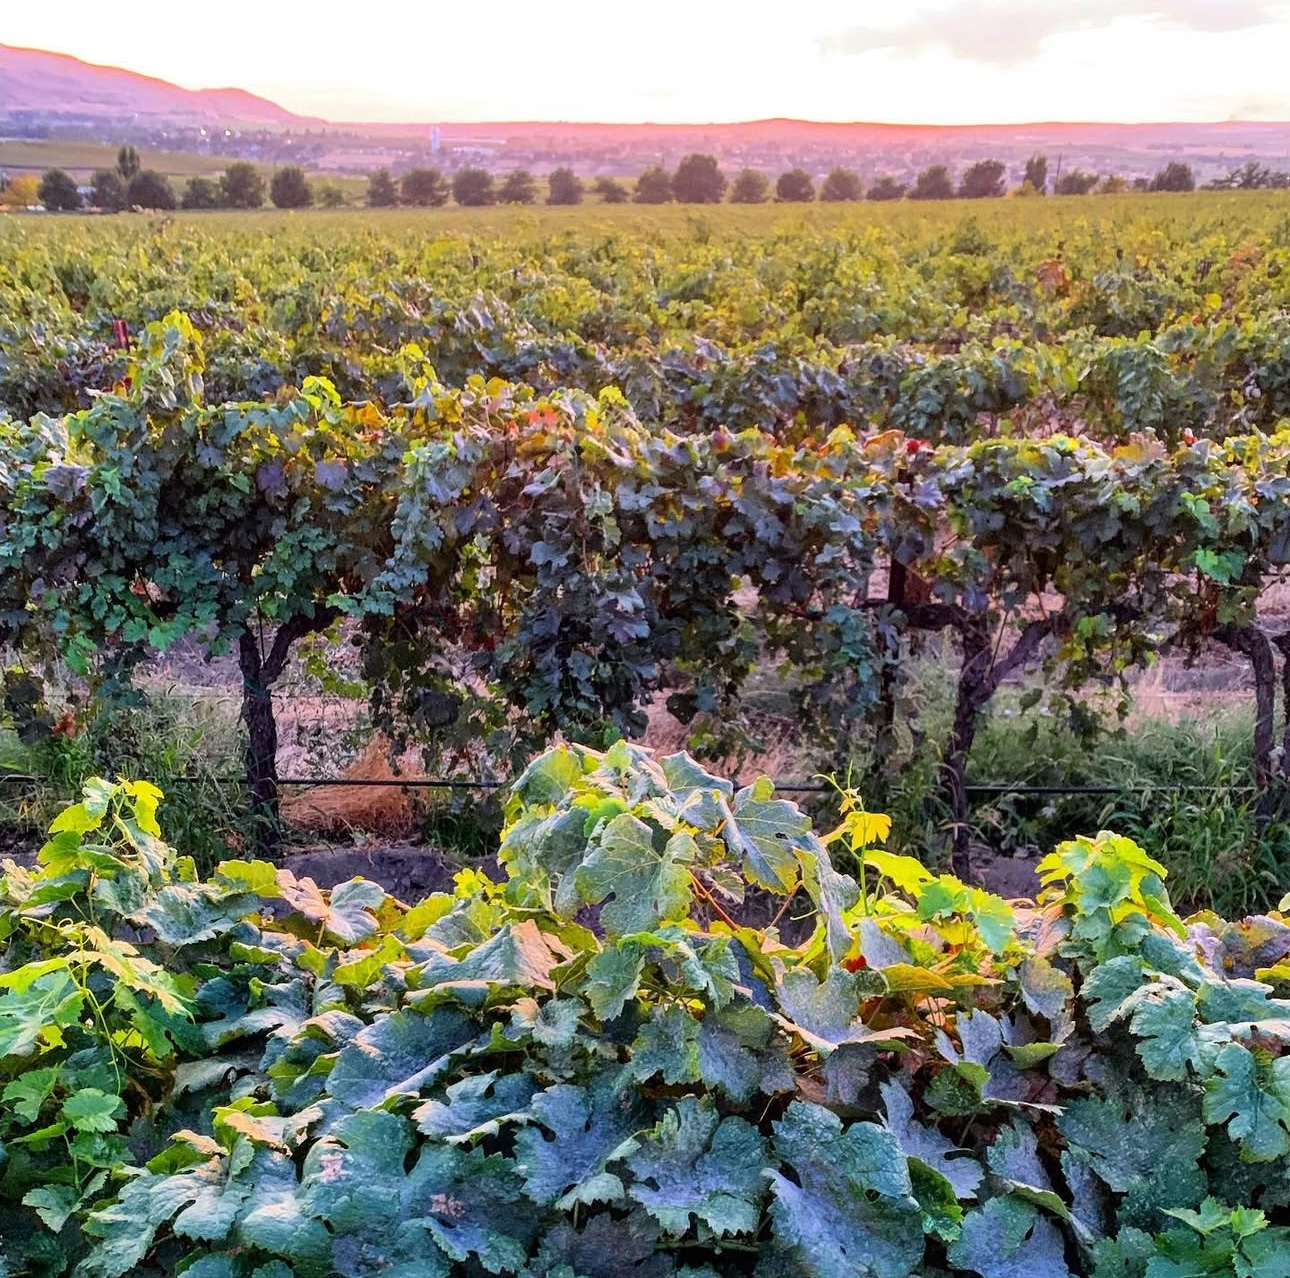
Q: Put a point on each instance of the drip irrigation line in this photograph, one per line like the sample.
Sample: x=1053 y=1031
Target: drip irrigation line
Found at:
x=986 y=790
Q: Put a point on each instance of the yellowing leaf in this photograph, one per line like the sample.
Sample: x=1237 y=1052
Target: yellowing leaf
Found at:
x=906 y=873
x=905 y=978
x=868 y=828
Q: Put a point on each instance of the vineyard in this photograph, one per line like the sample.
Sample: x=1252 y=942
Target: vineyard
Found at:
x=515 y=481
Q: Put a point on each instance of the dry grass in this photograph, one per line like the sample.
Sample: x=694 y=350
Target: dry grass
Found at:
x=336 y=809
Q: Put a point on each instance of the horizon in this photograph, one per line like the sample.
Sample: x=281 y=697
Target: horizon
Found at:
x=940 y=63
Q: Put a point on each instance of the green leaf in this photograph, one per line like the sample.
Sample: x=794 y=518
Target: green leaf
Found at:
x=348 y=913
x=826 y=1013
x=1146 y=1145
x=589 y=1128
x=1108 y=988
x=606 y=1247
x=1265 y=1256
x=850 y=1212
x=766 y=834
x=739 y=1055
x=694 y=1164
x=475 y=1107
x=1165 y=1021
x=648 y=887
x=549 y=777
x=186 y=914
x=1252 y=1097
x=1008 y=1238
x=398 y=1055
x=613 y=977
x=957 y=1166
x=30 y=1090
x=517 y=954
x=453 y=1202
x=39 y=1013
x=667 y=1046
x=53 y=1204
x=123 y=1232
x=90 y=1110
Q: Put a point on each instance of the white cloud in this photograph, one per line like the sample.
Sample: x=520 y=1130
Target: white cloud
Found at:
x=1010 y=32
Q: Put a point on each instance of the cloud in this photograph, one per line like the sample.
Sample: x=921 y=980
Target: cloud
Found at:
x=1009 y=32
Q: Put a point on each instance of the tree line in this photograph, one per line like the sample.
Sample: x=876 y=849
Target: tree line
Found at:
x=129 y=185
x=697 y=179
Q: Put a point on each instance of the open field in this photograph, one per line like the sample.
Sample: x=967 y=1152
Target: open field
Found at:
x=21 y=155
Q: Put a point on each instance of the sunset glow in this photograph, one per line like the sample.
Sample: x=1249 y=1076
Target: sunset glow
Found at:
x=924 y=61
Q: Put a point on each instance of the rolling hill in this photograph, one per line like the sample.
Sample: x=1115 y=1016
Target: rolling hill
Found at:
x=37 y=81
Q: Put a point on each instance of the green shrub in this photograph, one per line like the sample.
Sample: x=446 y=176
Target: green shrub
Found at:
x=592 y=1068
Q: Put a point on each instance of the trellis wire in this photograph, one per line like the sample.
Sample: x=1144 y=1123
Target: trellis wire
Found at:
x=994 y=789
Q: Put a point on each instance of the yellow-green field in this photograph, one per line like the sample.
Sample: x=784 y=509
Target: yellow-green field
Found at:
x=1256 y=213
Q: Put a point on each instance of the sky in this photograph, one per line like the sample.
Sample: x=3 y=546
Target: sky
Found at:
x=903 y=61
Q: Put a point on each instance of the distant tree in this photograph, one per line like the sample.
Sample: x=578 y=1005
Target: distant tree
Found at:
x=610 y=190
x=421 y=188
x=1175 y=176
x=1076 y=182
x=520 y=187
x=330 y=196
x=127 y=162
x=750 y=187
x=58 y=193
x=564 y=186
x=933 y=183
x=200 y=193
x=290 y=189
x=109 y=190
x=985 y=180
x=886 y=188
x=149 y=189
x=654 y=186
x=1036 y=176
x=841 y=186
x=381 y=191
x=699 y=180
x=22 y=191
x=242 y=187
x=1112 y=185
x=473 y=188
x=795 y=187
x=1252 y=177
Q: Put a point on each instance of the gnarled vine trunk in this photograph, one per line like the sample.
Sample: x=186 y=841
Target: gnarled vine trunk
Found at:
x=981 y=672
x=259 y=673
x=1254 y=644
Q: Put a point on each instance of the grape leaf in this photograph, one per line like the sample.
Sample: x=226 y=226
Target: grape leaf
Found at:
x=926 y=1144
x=91 y=1110
x=648 y=887
x=589 y=1128
x=613 y=977
x=348 y=914
x=696 y=1164
x=476 y=1106
x=850 y=1213
x=1008 y=1238
x=1253 y=1098
x=766 y=834
x=398 y=1055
